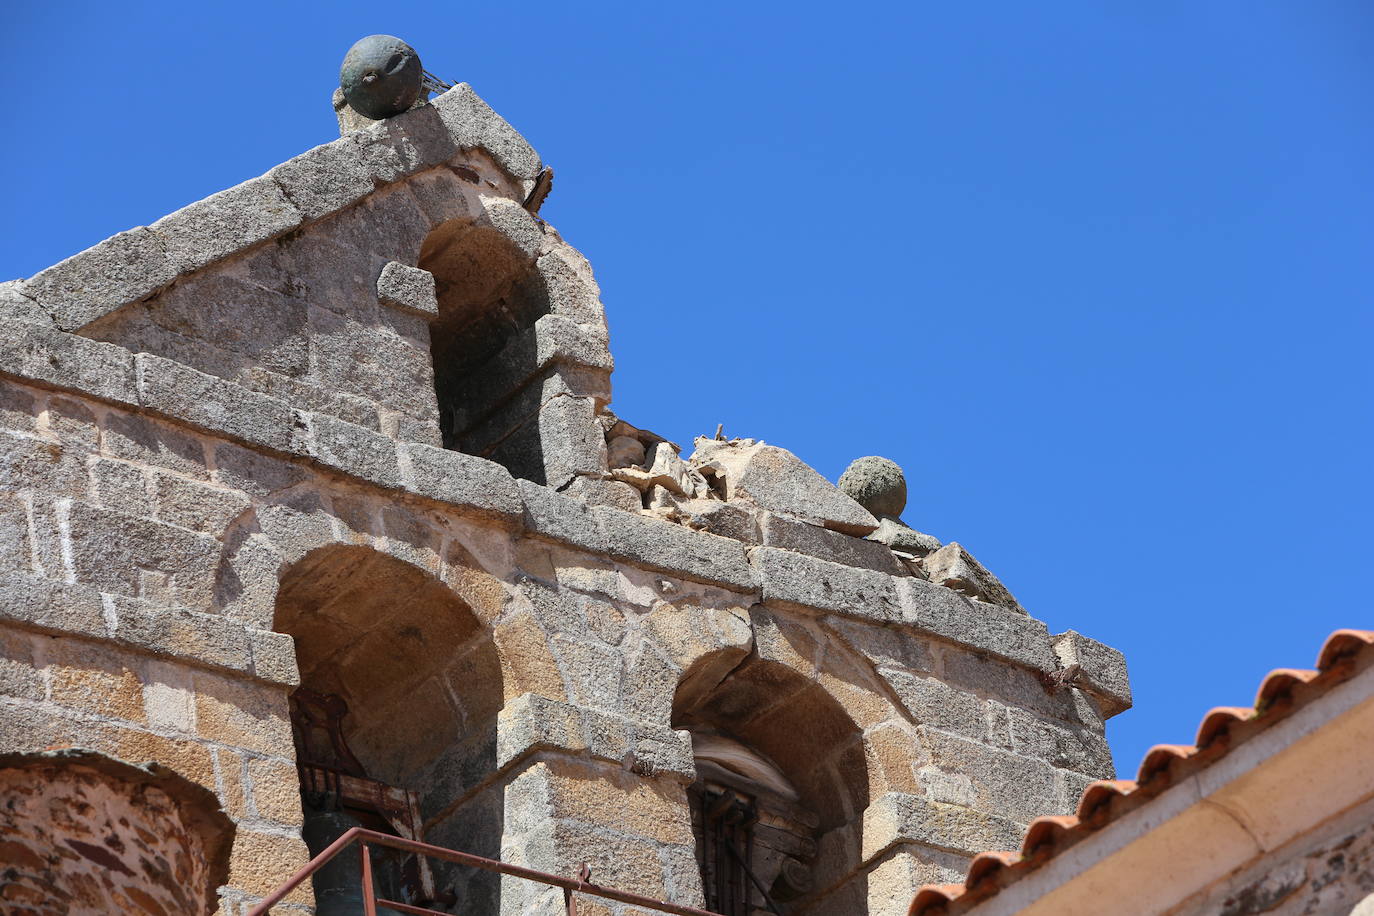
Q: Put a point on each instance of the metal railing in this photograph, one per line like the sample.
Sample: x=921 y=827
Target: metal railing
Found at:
x=365 y=838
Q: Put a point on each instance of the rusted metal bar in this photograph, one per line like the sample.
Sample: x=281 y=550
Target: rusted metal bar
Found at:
x=369 y=892
x=366 y=836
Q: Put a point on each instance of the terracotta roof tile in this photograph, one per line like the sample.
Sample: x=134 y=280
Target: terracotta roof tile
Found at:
x=1105 y=801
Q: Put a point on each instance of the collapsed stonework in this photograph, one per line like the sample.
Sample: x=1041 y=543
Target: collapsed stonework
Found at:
x=311 y=493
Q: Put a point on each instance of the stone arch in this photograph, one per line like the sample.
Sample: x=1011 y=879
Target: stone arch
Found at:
x=752 y=714
x=488 y=295
x=520 y=359
x=401 y=685
x=86 y=834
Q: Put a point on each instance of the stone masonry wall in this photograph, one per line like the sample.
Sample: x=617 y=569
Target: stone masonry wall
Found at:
x=144 y=558
x=209 y=426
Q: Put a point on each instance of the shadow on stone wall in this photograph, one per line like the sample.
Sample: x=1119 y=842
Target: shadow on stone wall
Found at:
x=422 y=682
x=789 y=720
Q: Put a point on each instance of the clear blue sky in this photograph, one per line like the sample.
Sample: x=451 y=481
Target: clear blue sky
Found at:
x=1098 y=275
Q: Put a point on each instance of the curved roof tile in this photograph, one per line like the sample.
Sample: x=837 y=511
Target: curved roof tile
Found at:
x=1106 y=801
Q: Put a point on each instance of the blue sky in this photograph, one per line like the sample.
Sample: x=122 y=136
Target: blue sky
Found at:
x=1097 y=275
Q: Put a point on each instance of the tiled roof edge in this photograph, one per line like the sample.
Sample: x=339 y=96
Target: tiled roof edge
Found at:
x=1282 y=692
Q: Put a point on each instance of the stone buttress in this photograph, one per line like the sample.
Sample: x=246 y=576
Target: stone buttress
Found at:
x=343 y=431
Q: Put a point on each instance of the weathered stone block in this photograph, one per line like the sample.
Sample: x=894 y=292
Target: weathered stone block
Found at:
x=121 y=486
x=31 y=351
x=513 y=221
x=933 y=702
x=1010 y=634
x=353 y=449
x=275 y=790
x=207 y=638
x=593 y=672
x=570 y=441
x=899 y=817
x=364 y=360
x=439 y=193
x=571 y=291
x=20 y=406
x=92 y=283
x=94 y=680
x=672 y=548
x=1103 y=671
x=472 y=124
x=15 y=550
x=225 y=223
x=462 y=480
x=1078 y=748
x=530 y=721
x=163 y=563
x=215 y=405
x=20 y=676
x=223 y=325
x=28 y=463
x=593 y=491
x=324 y=179
x=802 y=537
x=793 y=578
x=241 y=713
x=254 y=473
x=954 y=567
x=16 y=306
x=143 y=440
x=197 y=506
x=303 y=395
x=407 y=143
x=977 y=776
x=552 y=515
x=49 y=605
x=408 y=288
x=885 y=646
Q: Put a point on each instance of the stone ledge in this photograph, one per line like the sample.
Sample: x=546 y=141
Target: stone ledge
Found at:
x=1103 y=670
x=555 y=517
x=673 y=549
x=484 y=489
x=204 y=640
x=211 y=403
x=898 y=817
x=803 y=537
x=794 y=578
x=225 y=223
x=458 y=479
x=53 y=357
x=408 y=289
x=942 y=612
x=530 y=723
x=474 y=125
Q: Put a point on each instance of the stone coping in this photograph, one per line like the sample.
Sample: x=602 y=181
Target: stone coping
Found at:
x=135 y=264
x=483 y=490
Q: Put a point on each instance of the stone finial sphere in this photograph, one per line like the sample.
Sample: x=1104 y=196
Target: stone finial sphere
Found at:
x=875 y=483
x=381 y=76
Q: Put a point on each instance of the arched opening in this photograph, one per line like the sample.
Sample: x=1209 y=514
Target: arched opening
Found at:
x=395 y=717
x=781 y=788
x=489 y=296
x=83 y=834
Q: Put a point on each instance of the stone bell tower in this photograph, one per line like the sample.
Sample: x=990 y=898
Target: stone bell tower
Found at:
x=312 y=498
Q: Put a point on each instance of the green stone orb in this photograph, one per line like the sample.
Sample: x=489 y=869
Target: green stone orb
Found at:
x=381 y=76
